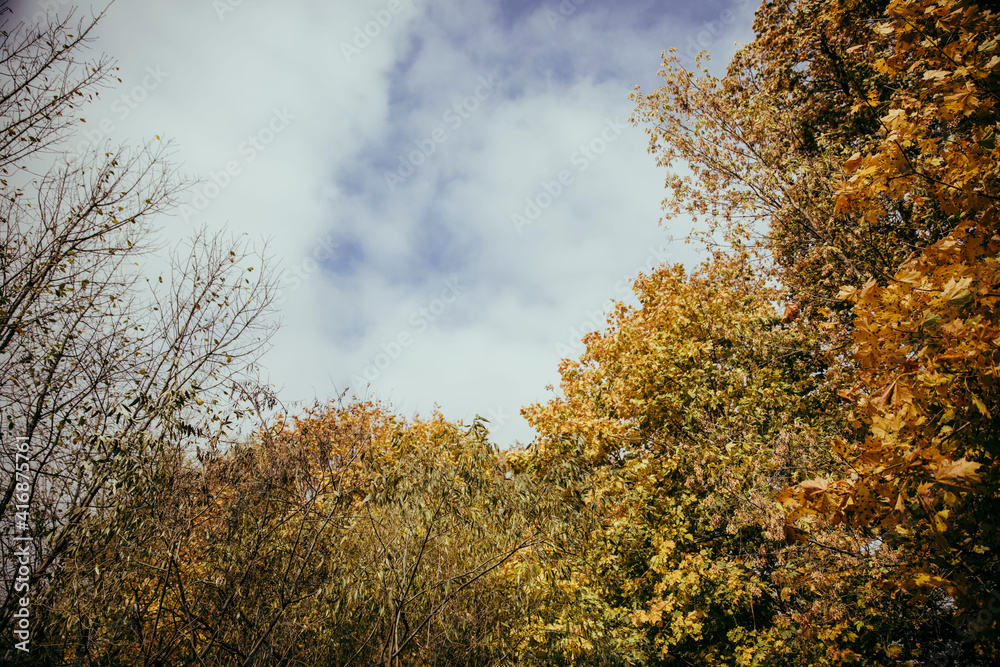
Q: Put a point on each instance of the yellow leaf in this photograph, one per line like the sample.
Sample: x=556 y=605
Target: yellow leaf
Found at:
x=853 y=163
x=883 y=399
x=956 y=290
x=936 y=74
x=846 y=293
x=980 y=406
x=924 y=579
x=959 y=471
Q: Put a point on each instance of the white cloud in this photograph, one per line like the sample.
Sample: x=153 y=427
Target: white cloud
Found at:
x=356 y=111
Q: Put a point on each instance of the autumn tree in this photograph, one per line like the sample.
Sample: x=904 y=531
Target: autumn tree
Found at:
x=105 y=372
x=689 y=411
x=434 y=523
x=924 y=473
x=345 y=536
x=851 y=147
x=764 y=144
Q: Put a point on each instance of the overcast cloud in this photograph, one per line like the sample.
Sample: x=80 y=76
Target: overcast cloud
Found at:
x=451 y=188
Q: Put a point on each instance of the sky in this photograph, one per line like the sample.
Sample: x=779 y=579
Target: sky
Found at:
x=451 y=190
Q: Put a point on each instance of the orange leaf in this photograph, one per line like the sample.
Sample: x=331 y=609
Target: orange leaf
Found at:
x=883 y=400
x=963 y=470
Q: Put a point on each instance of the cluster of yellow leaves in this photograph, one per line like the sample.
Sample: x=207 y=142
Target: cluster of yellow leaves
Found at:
x=683 y=412
x=331 y=536
x=852 y=143
x=937 y=146
x=927 y=339
x=664 y=365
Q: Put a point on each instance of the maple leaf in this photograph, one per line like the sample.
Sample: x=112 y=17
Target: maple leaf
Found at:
x=882 y=402
x=846 y=293
x=791 y=313
x=956 y=290
x=816 y=486
x=852 y=163
x=960 y=473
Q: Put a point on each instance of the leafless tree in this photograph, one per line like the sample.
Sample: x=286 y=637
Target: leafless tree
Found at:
x=106 y=369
